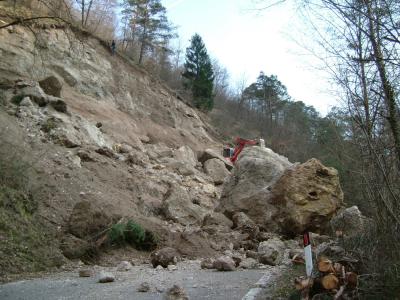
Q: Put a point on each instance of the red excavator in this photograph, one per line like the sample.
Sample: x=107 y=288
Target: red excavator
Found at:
x=233 y=154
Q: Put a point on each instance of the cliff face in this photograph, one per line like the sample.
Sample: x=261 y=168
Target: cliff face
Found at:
x=101 y=87
x=98 y=129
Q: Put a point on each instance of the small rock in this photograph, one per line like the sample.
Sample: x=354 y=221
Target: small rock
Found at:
x=159 y=268
x=124 y=266
x=26 y=102
x=207 y=263
x=58 y=104
x=224 y=263
x=172 y=268
x=271 y=251
x=105 y=277
x=176 y=293
x=144 y=287
x=85 y=273
x=248 y=263
x=99 y=124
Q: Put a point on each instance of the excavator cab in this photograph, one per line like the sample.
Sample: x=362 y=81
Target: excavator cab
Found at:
x=233 y=154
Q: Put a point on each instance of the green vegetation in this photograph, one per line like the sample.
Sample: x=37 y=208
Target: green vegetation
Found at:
x=17 y=99
x=25 y=242
x=199 y=74
x=133 y=234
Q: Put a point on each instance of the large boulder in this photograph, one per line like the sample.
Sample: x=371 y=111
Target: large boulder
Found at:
x=308 y=195
x=216 y=169
x=249 y=188
x=210 y=154
x=348 y=222
x=178 y=207
x=51 y=86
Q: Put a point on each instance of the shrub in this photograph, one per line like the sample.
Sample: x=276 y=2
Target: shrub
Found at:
x=133 y=234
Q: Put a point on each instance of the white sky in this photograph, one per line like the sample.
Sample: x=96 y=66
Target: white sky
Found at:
x=246 y=42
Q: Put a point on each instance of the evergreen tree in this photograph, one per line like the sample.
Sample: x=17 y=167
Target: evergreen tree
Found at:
x=149 y=23
x=199 y=74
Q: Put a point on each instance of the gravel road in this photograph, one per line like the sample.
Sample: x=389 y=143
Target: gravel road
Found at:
x=198 y=283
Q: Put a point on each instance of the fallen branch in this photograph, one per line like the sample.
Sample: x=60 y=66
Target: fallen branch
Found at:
x=21 y=21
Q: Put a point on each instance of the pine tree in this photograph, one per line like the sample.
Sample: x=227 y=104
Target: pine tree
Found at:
x=199 y=74
x=148 y=23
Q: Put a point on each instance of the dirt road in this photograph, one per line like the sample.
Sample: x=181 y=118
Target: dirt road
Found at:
x=199 y=284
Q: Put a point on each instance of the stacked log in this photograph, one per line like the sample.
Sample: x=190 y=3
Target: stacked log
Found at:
x=332 y=279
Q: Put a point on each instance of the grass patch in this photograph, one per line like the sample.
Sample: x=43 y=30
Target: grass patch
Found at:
x=284 y=287
x=26 y=244
x=133 y=234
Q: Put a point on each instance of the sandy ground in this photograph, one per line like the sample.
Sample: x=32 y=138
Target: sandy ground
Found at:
x=198 y=283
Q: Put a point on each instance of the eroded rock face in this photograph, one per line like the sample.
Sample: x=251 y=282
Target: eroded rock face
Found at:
x=249 y=188
x=308 y=195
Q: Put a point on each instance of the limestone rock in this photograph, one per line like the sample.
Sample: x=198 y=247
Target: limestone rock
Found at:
x=178 y=207
x=35 y=93
x=85 y=273
x=349 y=222
x=144 y=287
x=248 y=189
x=185 y=155
x=164 y=257
x=73 y=247
x=216 y=169
x=216 y=222
x=224 y=263
x=176 y=293
x=271 y=252
x=207 y=263
x=243 y=223
x=51 y=86
x=26 y=102
x=58 y=104
x=248 y=263
x=124 y=266
x=309 y=194
x=105 y=277
x=210 y=154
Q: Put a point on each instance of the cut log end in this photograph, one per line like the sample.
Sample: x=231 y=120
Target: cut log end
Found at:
x=325 y=265
x=330 y=282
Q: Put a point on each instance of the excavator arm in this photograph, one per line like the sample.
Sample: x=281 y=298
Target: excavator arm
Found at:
x=240 y=144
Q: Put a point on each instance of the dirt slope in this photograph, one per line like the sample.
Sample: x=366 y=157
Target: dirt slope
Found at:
x=124 y=143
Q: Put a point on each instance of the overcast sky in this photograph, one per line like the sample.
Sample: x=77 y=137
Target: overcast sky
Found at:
x=246 y=42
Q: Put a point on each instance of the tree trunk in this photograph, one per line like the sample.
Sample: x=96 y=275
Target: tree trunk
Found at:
x=388 y=91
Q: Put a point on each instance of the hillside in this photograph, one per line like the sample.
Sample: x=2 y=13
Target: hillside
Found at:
x=123 y=142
